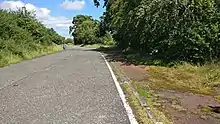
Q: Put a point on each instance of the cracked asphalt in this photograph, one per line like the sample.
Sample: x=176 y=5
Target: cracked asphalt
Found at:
x=69 y=87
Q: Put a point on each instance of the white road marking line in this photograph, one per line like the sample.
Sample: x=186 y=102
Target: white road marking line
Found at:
x=121 y=94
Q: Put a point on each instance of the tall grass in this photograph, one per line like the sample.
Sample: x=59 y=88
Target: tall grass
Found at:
x=7 y=58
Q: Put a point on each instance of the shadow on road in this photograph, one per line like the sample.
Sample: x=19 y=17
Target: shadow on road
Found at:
x=113 y=54
x=129 y=57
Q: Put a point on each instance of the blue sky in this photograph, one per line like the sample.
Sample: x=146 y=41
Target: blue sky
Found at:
x=56 y=14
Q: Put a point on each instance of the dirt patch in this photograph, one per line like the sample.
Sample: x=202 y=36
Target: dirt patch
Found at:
x=187 y=118
x=188 y=108
x=136 y=73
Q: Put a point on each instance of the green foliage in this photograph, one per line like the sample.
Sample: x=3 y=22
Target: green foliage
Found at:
x=21 y=34
x=107 y=39
x=68 y=40
x=175 y=30
x=85 y=30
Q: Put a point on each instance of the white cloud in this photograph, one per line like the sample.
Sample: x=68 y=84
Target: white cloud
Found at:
x=13 y=5
x=73 y=5
x=59 y=23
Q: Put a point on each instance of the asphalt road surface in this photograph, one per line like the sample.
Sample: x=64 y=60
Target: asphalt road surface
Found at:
x=70 y=87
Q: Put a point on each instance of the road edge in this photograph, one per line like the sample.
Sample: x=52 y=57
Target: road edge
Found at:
x=128 y=109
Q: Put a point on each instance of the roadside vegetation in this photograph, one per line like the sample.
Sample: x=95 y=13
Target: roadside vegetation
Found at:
x=182 y=89
x=88 y=32
x=171 y=30
x=23 y=37
x=178 y=44
x=196 y=79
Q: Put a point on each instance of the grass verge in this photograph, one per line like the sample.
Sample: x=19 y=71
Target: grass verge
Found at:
x=7 y=58
x=162 y=76
x=166 y=75
x=149 y=98
x=139 y=111
x=96 y=46
x=186 y=77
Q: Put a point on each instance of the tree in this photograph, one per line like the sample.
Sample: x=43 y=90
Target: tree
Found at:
x=84 y=30
x=175 y=30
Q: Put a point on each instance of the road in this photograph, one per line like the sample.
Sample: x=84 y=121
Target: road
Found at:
x=70 y=87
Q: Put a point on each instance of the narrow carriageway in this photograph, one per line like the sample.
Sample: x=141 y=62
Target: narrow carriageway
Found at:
x=74 y=87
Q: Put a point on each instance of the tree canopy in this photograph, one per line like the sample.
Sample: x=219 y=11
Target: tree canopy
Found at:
x=179 y=30
x=84 y=30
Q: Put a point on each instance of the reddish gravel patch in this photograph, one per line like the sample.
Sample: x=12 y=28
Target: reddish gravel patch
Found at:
x=135 y=73
x=191 y=107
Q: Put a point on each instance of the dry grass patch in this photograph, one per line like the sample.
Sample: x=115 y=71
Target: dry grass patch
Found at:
x=196 y=79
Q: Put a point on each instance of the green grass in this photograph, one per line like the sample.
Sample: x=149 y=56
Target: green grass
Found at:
x=140 y=113
x=217 y=97
x=165 y=75
x=186 y=77
x=7 y=58
x=97 y=46
x=182 y=77
x=143 y=92
x=178 y=75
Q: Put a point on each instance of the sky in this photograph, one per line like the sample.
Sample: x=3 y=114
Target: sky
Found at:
x=55 y=14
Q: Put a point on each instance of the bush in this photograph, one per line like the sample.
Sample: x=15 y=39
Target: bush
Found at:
x=175 y=30
x=107 y=39
x=68 y=40
x=22 y=34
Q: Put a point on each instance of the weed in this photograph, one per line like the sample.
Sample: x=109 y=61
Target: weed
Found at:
x=139 y=112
